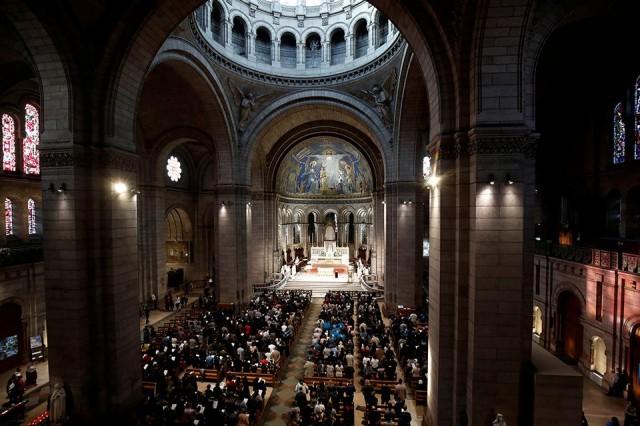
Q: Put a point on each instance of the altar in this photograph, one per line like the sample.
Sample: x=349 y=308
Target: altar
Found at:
x=329 y=254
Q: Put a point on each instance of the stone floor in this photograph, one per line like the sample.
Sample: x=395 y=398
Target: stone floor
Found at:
x=283 y=395
x=598 y=407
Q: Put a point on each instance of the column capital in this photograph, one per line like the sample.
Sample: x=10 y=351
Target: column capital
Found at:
x=485 y=141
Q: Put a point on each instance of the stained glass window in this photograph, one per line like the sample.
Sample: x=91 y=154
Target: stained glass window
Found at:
x=30 y=152
x=174 y=169
x=8 y=217
x=31 y=218
x=636 y=147
x=619 y=137
x=426 y=167
x=8 y=143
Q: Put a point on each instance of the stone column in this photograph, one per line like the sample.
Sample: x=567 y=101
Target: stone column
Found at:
x=442 y=260
x=480 y=276
x=152 y=240
x=270 y=229
x=403 y=262
x=231 y=244
x=301 y=56
x=326 y=54
x=91 y=279
x=251 y=46
x=379 y=228
x=275 y=45
x=349 y=40
x=500 y=271
x=228 y=36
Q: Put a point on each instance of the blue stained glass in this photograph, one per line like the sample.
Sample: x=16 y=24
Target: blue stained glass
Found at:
x=619 y=138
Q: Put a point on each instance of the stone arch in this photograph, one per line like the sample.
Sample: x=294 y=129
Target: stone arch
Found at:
x=179 y=224
x=410 y=121
x=571 y=288
x=256 y=25
x=537 y=320
x=218 y=28
x=330 y=100
x=239 y=34
x=173 y=139
x=598 y=355
x=235 y=13
x=175 y=54
x=282 y=31
x=364 y=16
x=56 y=94
x=336 y=26
x=420 y=26
x=540 y=21
x=310 y=31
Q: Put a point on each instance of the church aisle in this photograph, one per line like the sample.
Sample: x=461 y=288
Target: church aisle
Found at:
x=282 y=398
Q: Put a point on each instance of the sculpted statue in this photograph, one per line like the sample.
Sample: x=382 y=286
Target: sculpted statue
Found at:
x=382 y=96
x=247 y=101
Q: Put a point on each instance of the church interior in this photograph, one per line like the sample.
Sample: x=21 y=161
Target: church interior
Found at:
x=320 y=212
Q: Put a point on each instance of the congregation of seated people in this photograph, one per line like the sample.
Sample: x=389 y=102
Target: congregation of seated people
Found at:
x=328 y=400
x=412 y=338
x=234 y=345
x=377 y=356
x=330 y=353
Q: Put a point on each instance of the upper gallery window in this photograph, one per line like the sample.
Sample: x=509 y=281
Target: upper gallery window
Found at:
x=174 y=169
x=30 y=151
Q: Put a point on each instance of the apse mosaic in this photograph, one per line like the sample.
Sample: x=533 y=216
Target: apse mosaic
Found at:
x=324 y=169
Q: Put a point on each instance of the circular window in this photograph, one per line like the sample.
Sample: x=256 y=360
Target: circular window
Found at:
x=174 y=169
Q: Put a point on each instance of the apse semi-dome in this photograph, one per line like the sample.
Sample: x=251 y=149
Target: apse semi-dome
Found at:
x=324 y=168
x=296 y=38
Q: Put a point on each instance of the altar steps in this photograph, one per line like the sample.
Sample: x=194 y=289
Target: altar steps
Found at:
x=319 y=289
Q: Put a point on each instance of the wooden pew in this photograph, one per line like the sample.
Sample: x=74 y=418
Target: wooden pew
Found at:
x=269 y=378
x=149 y=388
x=204 y=374
x=330 y=381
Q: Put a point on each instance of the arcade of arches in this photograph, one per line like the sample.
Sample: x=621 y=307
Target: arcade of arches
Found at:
x=443 y=157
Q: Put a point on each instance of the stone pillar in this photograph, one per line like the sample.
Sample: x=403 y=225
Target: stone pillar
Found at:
x=270 y=229
x=480 y=276
x=500 y=272
x=228 y=36
x=379 y=228
x=91 y=279
x=231 y=244
x=152 y=239
x=301 y=56
x=442 y=260
x=275 y=45
x=403 y=262
x=257 y=260
x=349 y=40
x=251 y=46
x=326 y=54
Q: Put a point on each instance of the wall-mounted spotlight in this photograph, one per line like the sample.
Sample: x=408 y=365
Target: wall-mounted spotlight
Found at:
x=407 y=202
x=509 y=179
x=120 y=187
x=223 y=204
x=492 y=179
x=135 y=191
x=249 y=204
x=384 y=202
x=433 y=180
x=60 y=189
